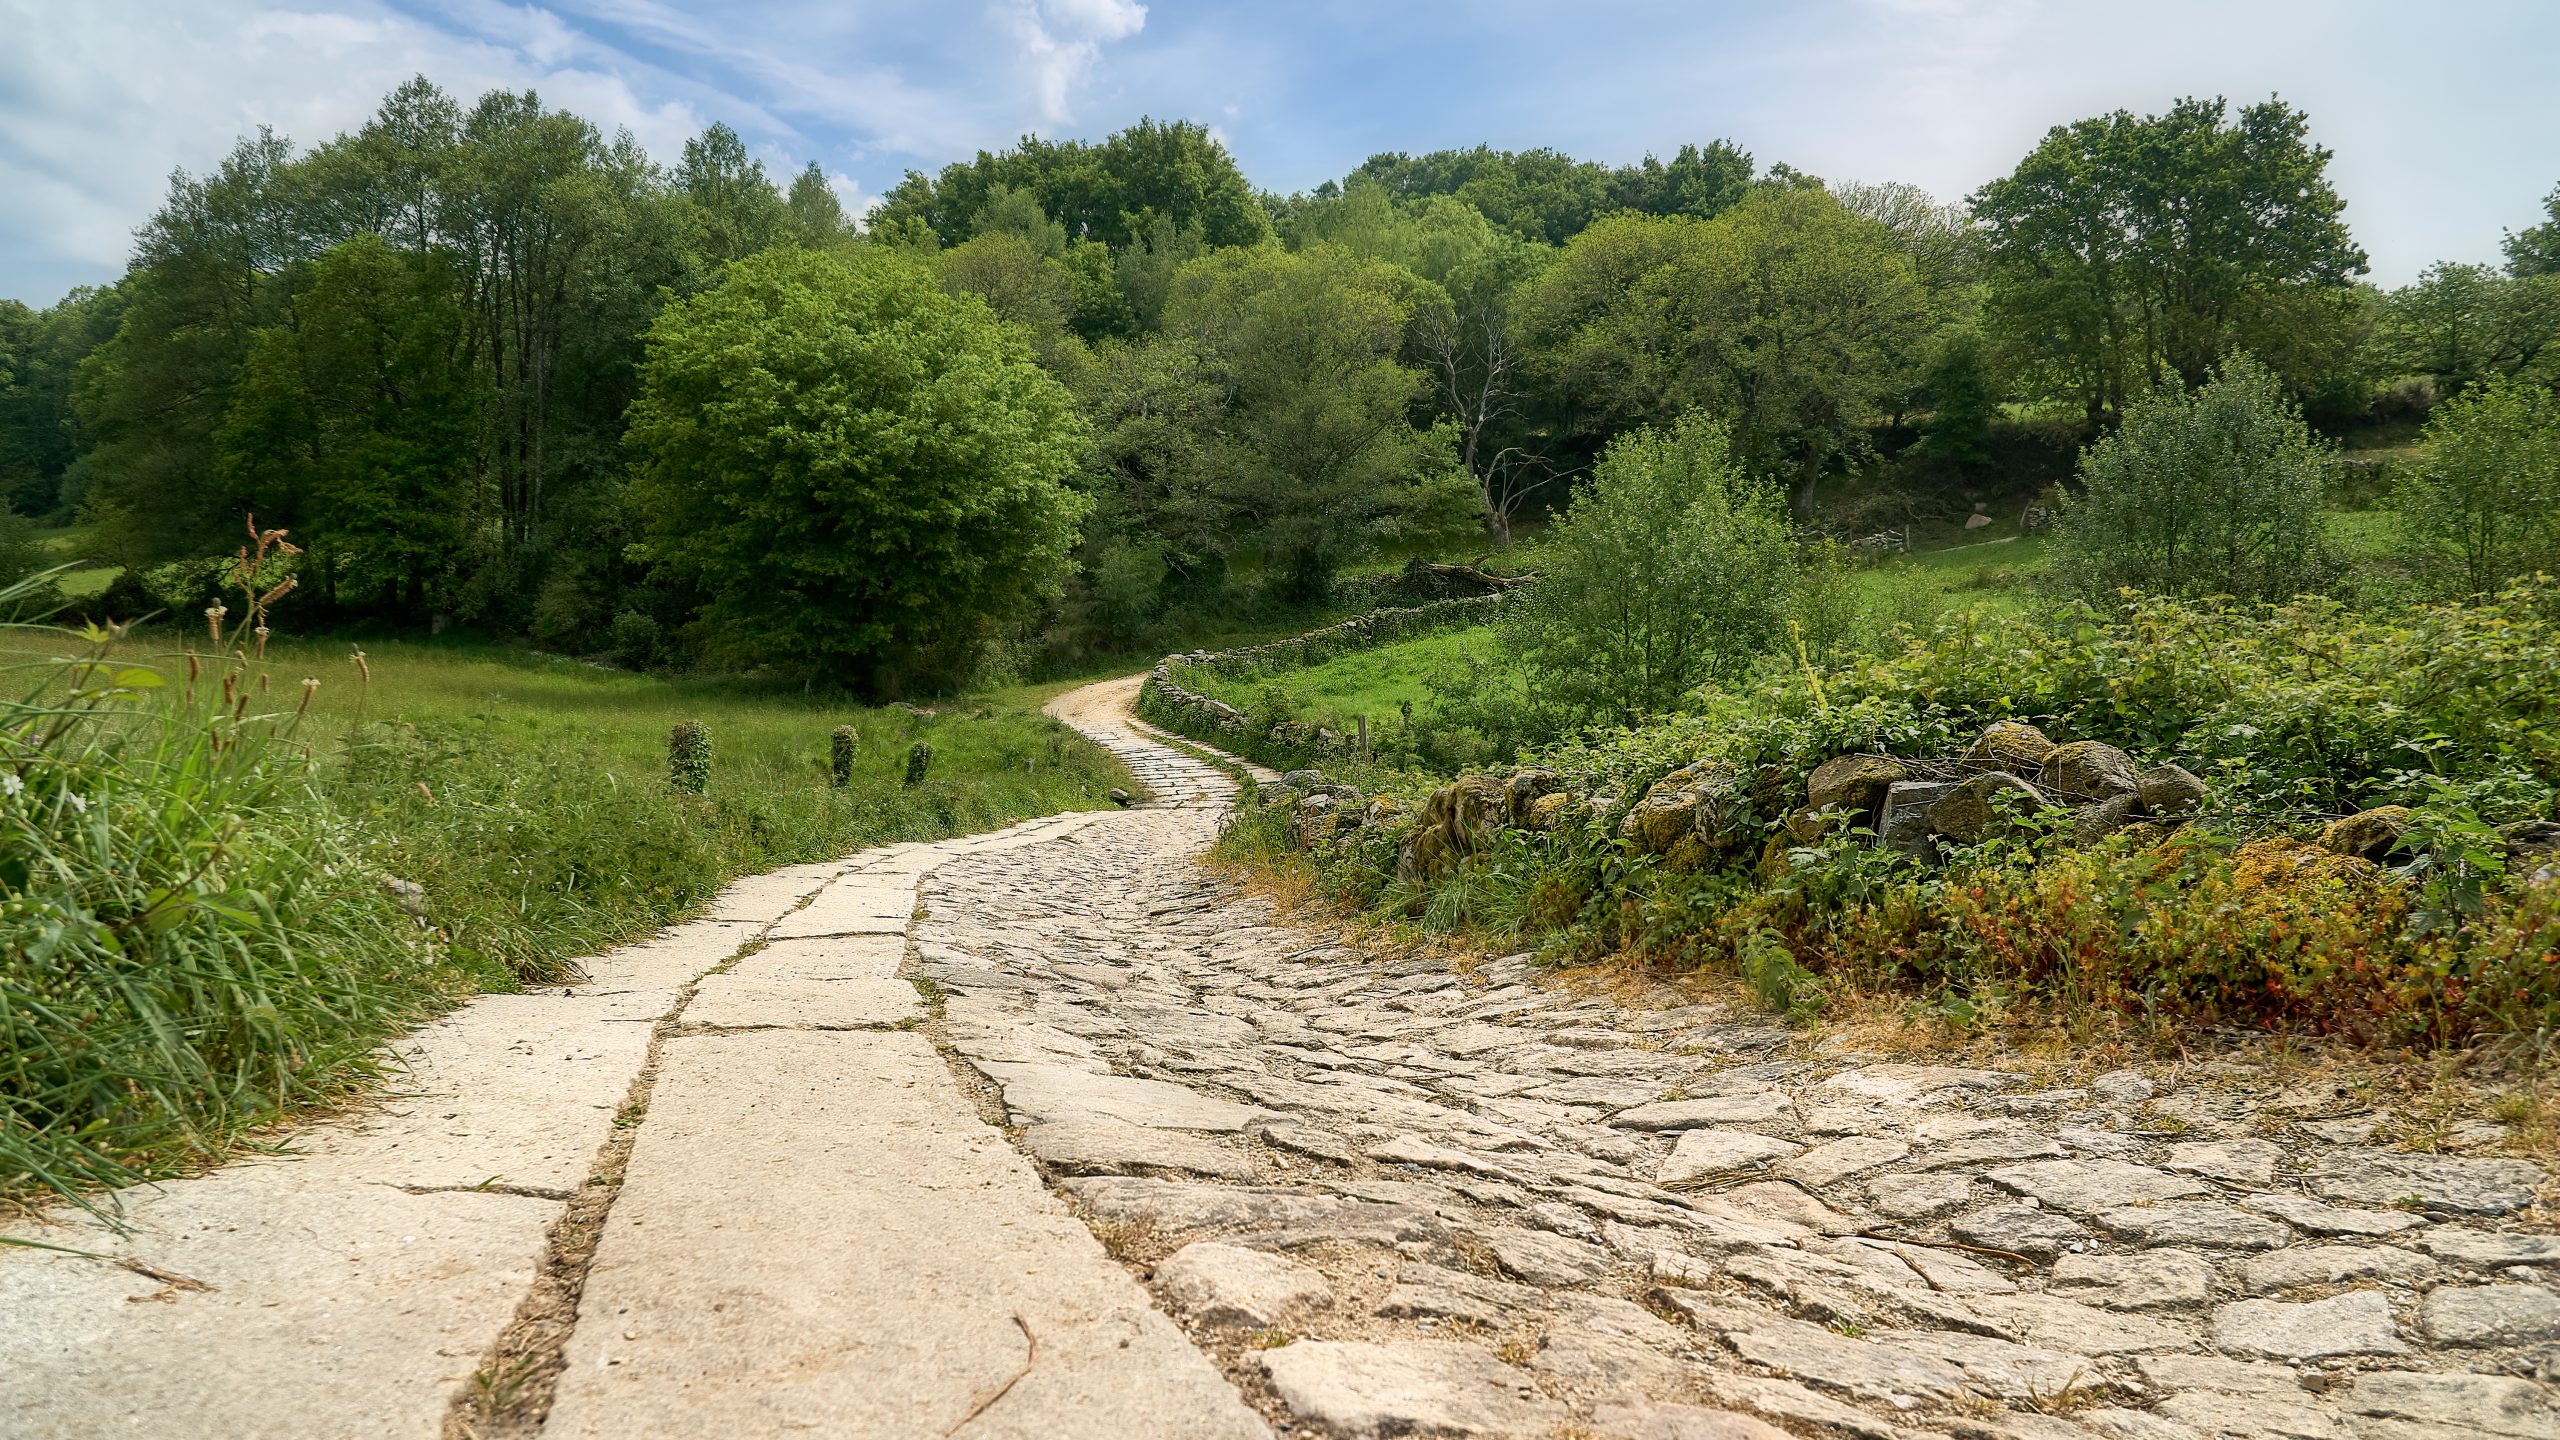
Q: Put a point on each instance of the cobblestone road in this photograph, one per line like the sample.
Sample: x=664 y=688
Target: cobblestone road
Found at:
x=1389 y=1199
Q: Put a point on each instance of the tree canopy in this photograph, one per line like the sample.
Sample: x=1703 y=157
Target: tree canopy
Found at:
x=862 y=475
x=1112 y=192
x=2126 y=251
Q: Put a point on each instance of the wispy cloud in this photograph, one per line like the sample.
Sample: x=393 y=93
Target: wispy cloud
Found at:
x=1062 y=40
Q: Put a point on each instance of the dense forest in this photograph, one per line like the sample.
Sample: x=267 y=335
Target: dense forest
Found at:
x=497 y=371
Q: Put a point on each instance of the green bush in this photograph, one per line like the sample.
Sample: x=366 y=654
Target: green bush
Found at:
x=2481 y=505
x=2214 y=492
x=1667 y=571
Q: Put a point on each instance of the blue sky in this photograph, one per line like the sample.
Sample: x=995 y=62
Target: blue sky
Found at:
x=2443 y=117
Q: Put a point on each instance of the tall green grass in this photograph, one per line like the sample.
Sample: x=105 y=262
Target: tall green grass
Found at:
x=198 y=931
x=189 y=940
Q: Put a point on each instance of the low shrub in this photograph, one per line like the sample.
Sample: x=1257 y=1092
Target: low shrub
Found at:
x=2293 y=714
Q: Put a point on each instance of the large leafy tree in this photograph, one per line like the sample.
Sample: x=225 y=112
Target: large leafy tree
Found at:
x=2127 y=251
x=1113 y=192
x=355 y=424
x=2215 y=491
x=2461 y=324
x=1313 y=457
x=863 y=474
x=1465 y=336
x=40 y=353
x=1550 y=197
x=1795 y=321
x=2535 y=250
x=1668 y=570
x=735 y=208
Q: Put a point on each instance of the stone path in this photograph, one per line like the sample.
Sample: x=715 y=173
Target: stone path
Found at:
x=750 y=1182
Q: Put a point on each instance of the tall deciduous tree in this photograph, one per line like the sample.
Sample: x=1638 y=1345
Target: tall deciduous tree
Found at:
x=355 y=424
x=2126 y=251
x=862 y=474
x=2460 y=324
x=733 y=201
x=1113 y=192
x=1314 y=457
x=1792 y=319
x=2535 y=250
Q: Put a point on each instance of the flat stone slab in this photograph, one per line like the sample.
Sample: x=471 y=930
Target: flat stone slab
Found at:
x=1365 y=1391
x=834 y=984
x=2086 y=1186
x=1112 y=1147
x=2358 y=1323
x=787 y=1254
x=1061 y=1092
x=1758 y=1108
x=338 y=1305
x=2438 y=1182
x=1704 y=1152
x=1221 y=1284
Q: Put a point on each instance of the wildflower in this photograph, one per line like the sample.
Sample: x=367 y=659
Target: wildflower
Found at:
x=77 y=802
x=11 y=785
x=213 y=614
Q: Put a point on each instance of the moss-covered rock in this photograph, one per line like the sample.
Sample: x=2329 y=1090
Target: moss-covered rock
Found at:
x=2093 y=823
x=1548 y=810
x=1452 y=825
x=1984 y=806
x=2170 y=792
x=2012 y=745
x=2367 y=834
x=2281 y=863
x=2088 y=771
x=1854 y=784
x=1524 y=789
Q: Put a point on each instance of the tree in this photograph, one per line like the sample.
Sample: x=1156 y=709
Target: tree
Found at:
x=2481 y=504
x=2212 y=492
x=862 y=474
x=2126 y=251
x=1946 y=254
x=2535 y=250
x=1465 y=333
x=355 y=423
x=1025 y=288
x=733 y=201
x=1548 y=197
x=208 y=270
x=1793 y=320
x=1962 y=402
x=1668 y=570
x=2461 y=324
x=817 y=216
x=1174 y=172
x=1314 y=457
x=41 y=351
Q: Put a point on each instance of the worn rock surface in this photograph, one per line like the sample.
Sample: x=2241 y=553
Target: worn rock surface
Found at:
x=1540 y=1211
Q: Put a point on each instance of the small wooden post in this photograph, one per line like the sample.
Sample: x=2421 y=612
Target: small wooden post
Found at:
x=1364 y=738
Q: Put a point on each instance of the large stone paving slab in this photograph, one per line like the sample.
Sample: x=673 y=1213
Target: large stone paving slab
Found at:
x=816 y=1233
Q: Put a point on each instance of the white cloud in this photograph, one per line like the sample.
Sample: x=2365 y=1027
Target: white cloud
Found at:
x=1061 y=42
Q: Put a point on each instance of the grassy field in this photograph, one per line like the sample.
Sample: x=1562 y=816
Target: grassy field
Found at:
x=205 y=938
x=528 y=793
x=1997 y=574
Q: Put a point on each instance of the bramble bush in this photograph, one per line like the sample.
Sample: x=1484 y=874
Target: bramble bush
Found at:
x=2294 y=713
